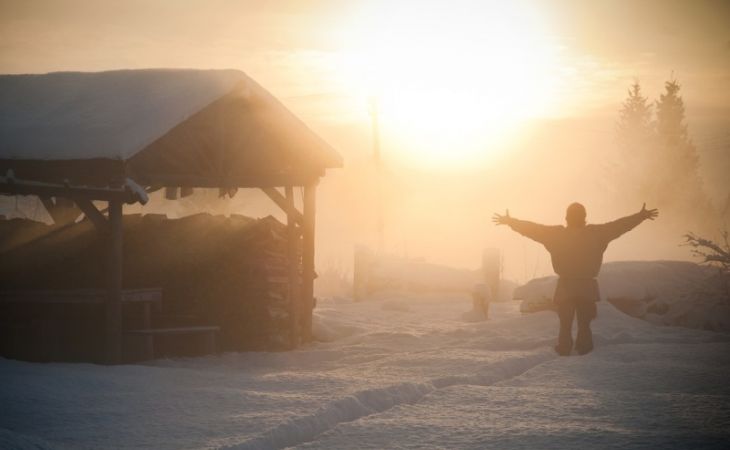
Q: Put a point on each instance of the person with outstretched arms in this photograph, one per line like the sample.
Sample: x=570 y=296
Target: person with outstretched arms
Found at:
x=576 y=251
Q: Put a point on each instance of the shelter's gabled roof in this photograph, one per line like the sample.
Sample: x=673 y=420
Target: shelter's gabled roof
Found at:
x=159 y=126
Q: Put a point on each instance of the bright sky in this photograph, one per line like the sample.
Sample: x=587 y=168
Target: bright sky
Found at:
x=454 y=80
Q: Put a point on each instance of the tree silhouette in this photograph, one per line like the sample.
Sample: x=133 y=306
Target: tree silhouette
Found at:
x=634 y=127
x=678 y=161
x=636 y=139
x=658 y=163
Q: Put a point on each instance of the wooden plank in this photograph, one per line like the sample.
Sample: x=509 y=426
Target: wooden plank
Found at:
x=148 y=295
x=293 y=269
x=282 y=202
x=176 y=330
x=26 y=187
x=310 y=197
x=93 y=214
x=79 y=296
x=299 y=178
x=94 y=172
x=272 y=279
x=113 y=329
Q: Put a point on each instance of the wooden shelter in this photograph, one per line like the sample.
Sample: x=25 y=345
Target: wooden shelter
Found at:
x=115 y=136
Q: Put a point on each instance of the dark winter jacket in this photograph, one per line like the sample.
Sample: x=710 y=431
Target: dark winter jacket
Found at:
x=576 y=252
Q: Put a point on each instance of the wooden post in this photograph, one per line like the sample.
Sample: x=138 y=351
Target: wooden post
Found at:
x=293 y=262
x=362 y=264
x=113 y=328
x=492 y=270
x=309 y=212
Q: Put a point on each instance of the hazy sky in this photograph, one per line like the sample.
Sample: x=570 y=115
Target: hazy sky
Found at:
x=301 y=48
x=457 y=81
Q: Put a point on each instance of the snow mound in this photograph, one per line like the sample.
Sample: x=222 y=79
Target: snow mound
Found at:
x=327 y=330
x=676 y=293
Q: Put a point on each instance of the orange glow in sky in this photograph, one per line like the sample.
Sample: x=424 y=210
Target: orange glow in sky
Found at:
x=452 y=83
x=484 y=104
x=458 y=82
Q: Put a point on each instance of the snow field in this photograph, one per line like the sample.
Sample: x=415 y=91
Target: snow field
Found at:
x=394 y=372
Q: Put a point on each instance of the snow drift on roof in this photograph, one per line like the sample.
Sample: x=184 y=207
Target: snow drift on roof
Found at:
x=74 y=115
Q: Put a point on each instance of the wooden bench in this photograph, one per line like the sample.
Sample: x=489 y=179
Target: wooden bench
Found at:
x=142 y=299
x=146 y=344
x=65 y=324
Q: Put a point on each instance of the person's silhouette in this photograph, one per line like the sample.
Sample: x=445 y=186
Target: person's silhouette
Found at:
x=576 y=251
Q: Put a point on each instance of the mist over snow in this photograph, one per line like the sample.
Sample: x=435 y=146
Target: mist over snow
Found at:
x=393 y=372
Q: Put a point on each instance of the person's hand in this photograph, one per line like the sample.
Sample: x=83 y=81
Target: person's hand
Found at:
x=650 y=214
x=499 y=219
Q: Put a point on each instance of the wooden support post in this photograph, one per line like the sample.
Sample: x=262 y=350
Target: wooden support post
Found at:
x=93 y=214
x=113 y=325
x=283 y=203
x=309 y=212
x=295 y=306
x=492 y=270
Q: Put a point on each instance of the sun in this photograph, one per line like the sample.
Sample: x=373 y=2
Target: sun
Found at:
x=454 y=81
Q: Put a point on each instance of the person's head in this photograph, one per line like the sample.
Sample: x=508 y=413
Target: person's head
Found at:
x=575 y=215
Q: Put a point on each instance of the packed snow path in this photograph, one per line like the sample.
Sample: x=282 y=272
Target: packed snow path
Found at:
x=394 y=373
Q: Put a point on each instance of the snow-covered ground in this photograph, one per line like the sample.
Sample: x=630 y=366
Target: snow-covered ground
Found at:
x=675 y=293
x=394 y=373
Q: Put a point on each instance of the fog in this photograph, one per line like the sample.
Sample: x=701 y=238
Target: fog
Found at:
x=564 y=151
x=444 y=216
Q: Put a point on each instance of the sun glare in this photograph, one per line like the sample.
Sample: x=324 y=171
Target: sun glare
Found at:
x=453 y=82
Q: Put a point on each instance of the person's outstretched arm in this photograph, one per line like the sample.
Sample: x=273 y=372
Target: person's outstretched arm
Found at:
x=612 y=230
x=535 y=231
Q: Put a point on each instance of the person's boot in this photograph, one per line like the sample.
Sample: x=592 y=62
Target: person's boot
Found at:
x=584 y=341
x=565 y=343
x=562 y=351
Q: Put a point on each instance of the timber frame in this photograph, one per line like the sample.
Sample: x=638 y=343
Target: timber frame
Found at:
x=300 y=225
x=177 y=129
x=109 y=225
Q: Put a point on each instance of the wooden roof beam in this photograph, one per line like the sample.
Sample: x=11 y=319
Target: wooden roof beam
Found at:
x=129 y=193
x=247 y=181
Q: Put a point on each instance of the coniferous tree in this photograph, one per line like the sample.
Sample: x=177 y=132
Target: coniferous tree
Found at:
x=635 y=137
x=677 y=160
x=674 y=139
x=634 y=127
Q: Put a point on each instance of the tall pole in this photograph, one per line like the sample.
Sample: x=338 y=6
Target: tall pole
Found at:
x=379 y=171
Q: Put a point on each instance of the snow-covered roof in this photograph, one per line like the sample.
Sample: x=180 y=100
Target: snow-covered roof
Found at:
x=74 y=115
x=115 y=115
